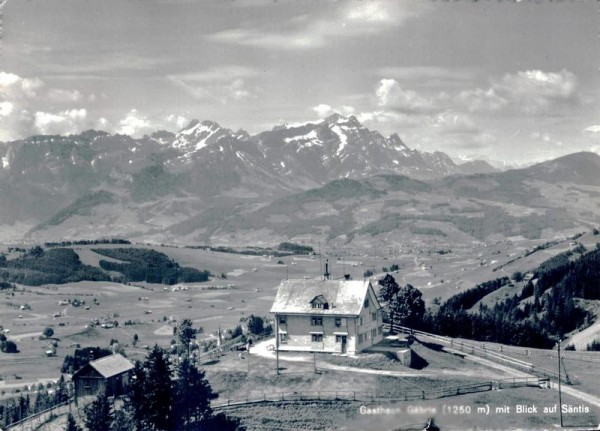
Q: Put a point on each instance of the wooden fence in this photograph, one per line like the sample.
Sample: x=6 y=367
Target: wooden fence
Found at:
x=495 y=352
x=372 y=396
x=40 y=417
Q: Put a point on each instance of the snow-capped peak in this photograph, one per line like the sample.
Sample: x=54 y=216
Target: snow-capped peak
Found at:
x=197 y=135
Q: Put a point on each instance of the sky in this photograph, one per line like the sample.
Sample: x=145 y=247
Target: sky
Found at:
x=510 y=82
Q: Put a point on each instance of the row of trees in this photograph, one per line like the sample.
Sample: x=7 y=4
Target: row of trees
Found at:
x=404 y=305
x=161 y=398
x=14 y=409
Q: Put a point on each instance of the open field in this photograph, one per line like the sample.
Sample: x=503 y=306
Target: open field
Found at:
x=249 y=288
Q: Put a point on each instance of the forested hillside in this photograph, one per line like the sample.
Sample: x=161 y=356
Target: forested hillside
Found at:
x=142 y=264
x=38 y=266
x=544 y=310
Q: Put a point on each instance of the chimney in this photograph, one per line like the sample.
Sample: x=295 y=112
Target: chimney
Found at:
x=327 y=274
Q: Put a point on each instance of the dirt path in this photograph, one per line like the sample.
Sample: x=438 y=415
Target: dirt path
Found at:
x=490 y=364
x=19 y=337
x=265 y=350
x=590 y=399
x=585 y=337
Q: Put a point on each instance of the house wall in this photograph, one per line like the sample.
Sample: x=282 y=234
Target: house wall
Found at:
x=88 y=382
x=370 y=329
x=361 y=331
x=299 y=332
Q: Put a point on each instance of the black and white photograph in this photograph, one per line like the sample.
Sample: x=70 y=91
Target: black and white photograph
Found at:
x=239 y=215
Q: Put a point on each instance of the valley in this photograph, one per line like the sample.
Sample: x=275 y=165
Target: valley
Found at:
x=203 y=214
x=242 y=285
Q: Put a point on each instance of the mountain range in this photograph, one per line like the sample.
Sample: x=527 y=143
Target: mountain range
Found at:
x=332 y=179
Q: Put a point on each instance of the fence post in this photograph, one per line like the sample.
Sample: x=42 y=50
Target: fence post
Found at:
x=354 y=395
x=423 y=394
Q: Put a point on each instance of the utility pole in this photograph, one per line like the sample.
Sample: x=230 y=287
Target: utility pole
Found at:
x=559 y=387
x=320 y=262
x=277 y=342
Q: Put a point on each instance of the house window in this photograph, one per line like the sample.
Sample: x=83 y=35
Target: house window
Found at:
x=338 y=338
x=317 y=338
x=373 y=333
x=360 y=321
x=283 y=338
x=317 y=305
x=374 y=316
x=367 y=303
x=338 y=322
x=316 y=321
x=380 y=330
x=282 y=320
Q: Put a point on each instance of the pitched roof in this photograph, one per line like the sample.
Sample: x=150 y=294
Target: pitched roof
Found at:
x=344 y=297
x=112 y=365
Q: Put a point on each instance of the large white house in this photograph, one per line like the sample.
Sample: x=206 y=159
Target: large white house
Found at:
x=340 y=316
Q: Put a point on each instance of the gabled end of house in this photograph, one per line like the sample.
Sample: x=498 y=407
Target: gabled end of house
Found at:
x=336 y=316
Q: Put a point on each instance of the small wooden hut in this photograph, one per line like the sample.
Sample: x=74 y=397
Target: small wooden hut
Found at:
x=109 y=374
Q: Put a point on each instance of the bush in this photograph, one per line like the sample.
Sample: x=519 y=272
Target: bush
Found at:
x=256 y=324
x=8 y=346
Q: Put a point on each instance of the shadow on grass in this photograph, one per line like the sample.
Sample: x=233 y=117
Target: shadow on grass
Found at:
x=432 y=346
x=417 y=362
x=439 y=348
x=213 y=362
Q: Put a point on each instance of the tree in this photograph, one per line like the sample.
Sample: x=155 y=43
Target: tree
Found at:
x=185 y=333
x=98 y=415
x=48 y=332
x=222 y=422
x=517 y=276
x=157 y=401
x=137 y=396
x=388 y=289
x=72 y=424
x=408 y=307
x=192 y=396
x=256 y=324
x=61 y=394
x=123 y=420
